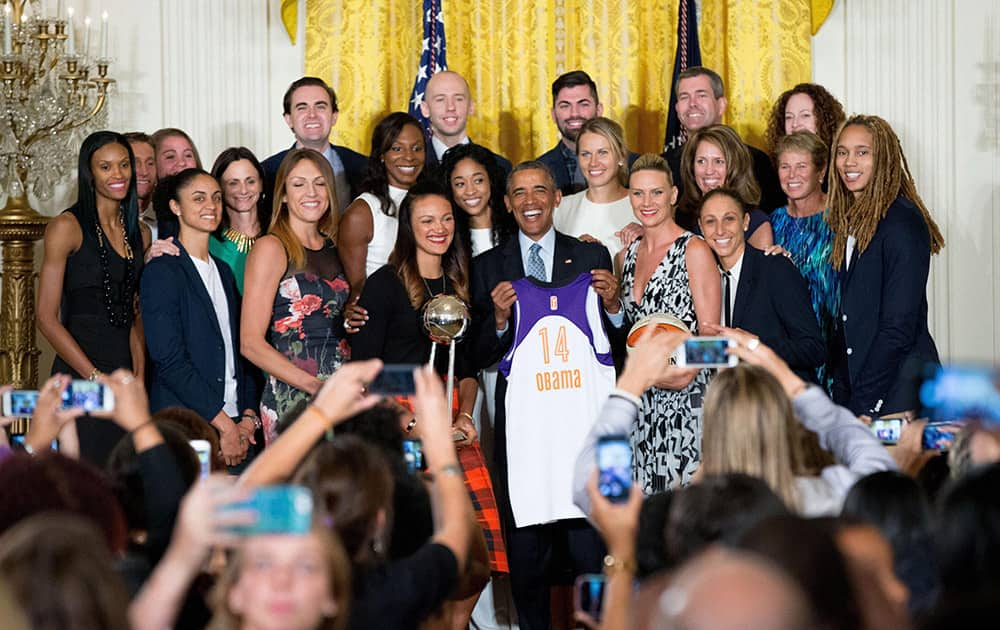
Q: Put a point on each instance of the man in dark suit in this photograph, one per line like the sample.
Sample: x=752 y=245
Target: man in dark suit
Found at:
x=310 y=107
x=447 y=105
x=574 y=102
x=764 y=295
x=191 y=316
x=701 y=101
x=531 y=197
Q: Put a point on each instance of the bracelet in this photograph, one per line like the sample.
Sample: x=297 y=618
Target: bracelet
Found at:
x=319 y=414
x=451 y=469
x=257 y=424
x=143 y=425
x=94 y=375
x=409 y=427
x=614 y=565
x=467 y=415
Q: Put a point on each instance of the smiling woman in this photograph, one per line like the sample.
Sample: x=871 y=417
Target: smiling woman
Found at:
x=247 y=215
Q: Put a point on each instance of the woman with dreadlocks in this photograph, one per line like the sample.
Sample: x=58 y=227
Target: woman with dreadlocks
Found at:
x=883 y=240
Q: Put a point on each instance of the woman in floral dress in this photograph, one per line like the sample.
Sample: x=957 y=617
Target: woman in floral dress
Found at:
x=295 y=268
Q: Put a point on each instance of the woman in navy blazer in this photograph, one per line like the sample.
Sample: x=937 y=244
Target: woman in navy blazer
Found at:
x=182 y=321
x=883 y=240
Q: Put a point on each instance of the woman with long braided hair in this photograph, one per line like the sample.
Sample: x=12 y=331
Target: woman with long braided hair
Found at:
x=883 y=240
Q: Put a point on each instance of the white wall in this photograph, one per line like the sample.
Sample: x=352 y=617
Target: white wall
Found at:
x=932 y=69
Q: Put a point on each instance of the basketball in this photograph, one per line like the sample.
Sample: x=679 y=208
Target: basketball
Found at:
x=663 y=321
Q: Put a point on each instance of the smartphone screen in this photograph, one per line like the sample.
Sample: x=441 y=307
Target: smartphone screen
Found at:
x=280 y=510
x=888 y=430
x=588 y=595
x=203 y=449
x=706 y=352
x=934 y=439
x=20 y=403
x=614 y=467
x=394 y=380
x=413 y=455
x=19 y=439
x=89 y=396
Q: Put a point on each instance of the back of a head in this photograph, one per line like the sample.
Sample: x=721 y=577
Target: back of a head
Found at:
x=718 y=508
x=727 y=590
x=892 y=502
x=51 y=482
x=968 y=534
x=62 y=574
x=808 y=553
x=650 y=549
x=351 y=485
x=193 y=427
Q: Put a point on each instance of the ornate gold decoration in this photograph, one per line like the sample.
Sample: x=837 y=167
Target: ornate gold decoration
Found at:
x=242 y=242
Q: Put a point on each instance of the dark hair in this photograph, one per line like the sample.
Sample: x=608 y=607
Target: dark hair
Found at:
x=138 y=136
x=724 y=192
x=894 y=503
x=193 y=427
x=808 y=553
x=573 y=78
x=403 y=258
x=51 y=482
x=86 y=198
x=718 y=508
x=227 y=157
x=351 y=484
x=286 y=102
x=501 y=220
x=532 y=165
x=718 y=89
x=376 y=179
x=739 y=167
x=828 y=111
x=173 y=184
x=650 y=550
x=61 y=573
x=968 y=533
x=378 y=426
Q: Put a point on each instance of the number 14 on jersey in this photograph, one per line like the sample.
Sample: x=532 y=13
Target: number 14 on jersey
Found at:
x=561 y=350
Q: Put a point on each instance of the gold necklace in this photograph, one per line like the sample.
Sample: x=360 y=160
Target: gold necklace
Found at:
x=242 y=242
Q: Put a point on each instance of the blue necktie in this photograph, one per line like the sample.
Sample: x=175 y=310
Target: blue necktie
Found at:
x=536 y=266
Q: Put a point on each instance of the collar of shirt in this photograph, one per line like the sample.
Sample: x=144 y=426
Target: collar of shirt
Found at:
x=734 y=281
x=440 y=148
x=548 y=245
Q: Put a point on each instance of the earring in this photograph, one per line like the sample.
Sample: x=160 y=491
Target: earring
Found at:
x=621 y=164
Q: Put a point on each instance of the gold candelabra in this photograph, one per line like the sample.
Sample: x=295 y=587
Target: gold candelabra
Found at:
x=48 y=103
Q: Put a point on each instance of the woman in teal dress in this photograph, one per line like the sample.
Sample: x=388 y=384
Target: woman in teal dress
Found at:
x=247 y=215
x=801 y=228
x=292 y=324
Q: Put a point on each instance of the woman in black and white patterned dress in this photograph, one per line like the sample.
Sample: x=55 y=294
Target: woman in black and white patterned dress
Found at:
x=668 y=270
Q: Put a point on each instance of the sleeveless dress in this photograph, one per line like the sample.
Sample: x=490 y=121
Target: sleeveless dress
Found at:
x=384 y=228
x=84 y=314
x=666 y=439
x=307 y=326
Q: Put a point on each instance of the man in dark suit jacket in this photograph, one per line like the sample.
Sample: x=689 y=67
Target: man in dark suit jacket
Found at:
x=311 y=112
x=701 y=102
x=187 y=348
x=768 y=296
x=532 y=197
x=574 y=102
x=447 y=105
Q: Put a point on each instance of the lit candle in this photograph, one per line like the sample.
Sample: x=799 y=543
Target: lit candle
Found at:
x=104 y=35
x=86 y=35
x=6 y=29
x=70 y=35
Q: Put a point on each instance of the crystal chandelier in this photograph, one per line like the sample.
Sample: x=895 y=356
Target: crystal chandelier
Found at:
x=52 y=95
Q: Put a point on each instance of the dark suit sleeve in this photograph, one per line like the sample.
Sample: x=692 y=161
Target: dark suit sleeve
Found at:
x=378 y=297
x=488 y=348
x=161 y=294
x=801 y=342
x=771 y=195
x=906 y=263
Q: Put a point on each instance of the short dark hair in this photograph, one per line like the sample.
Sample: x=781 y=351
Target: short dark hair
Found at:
x=139 y=136
x=718 y=89
x=724 y=192
x=573 y=78
x=306 y=81
x=531 y=165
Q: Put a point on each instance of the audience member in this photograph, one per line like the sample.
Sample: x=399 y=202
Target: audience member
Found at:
x=701 y=102
x=883 y=238
x=668 y=270
x=310 y=110
x=296 y=268
x=763 y=295
x=89 y=279
x=976 y=445
x=247 y=212
x=598 y=213
x=714 y=157
x=145 y=176
x=805 y=107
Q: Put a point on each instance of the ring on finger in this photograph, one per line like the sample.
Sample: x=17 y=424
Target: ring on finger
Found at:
x=752 y=344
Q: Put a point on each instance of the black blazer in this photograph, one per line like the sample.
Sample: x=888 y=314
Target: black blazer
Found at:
x=184 y=340
x=772 y=302
x=354 y=167
x=883 y=316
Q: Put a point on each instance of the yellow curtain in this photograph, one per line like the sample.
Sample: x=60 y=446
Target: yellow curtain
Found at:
x=511 y=50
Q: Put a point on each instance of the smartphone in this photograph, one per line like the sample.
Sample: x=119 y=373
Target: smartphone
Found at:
x=413 y=455
x=394 y=380
x=614 y=467
x=706 y=352
x=588 y=595
x=19 y=439
x=888 y=430
x=203 y=449
x=89 y=396
x=934 y=439
x=19 y=403
x=283 y=509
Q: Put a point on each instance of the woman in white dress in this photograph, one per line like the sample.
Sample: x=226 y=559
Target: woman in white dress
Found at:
x=599 y=212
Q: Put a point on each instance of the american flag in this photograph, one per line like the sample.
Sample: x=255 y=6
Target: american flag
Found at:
x=432 y=56
x=688 y=54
